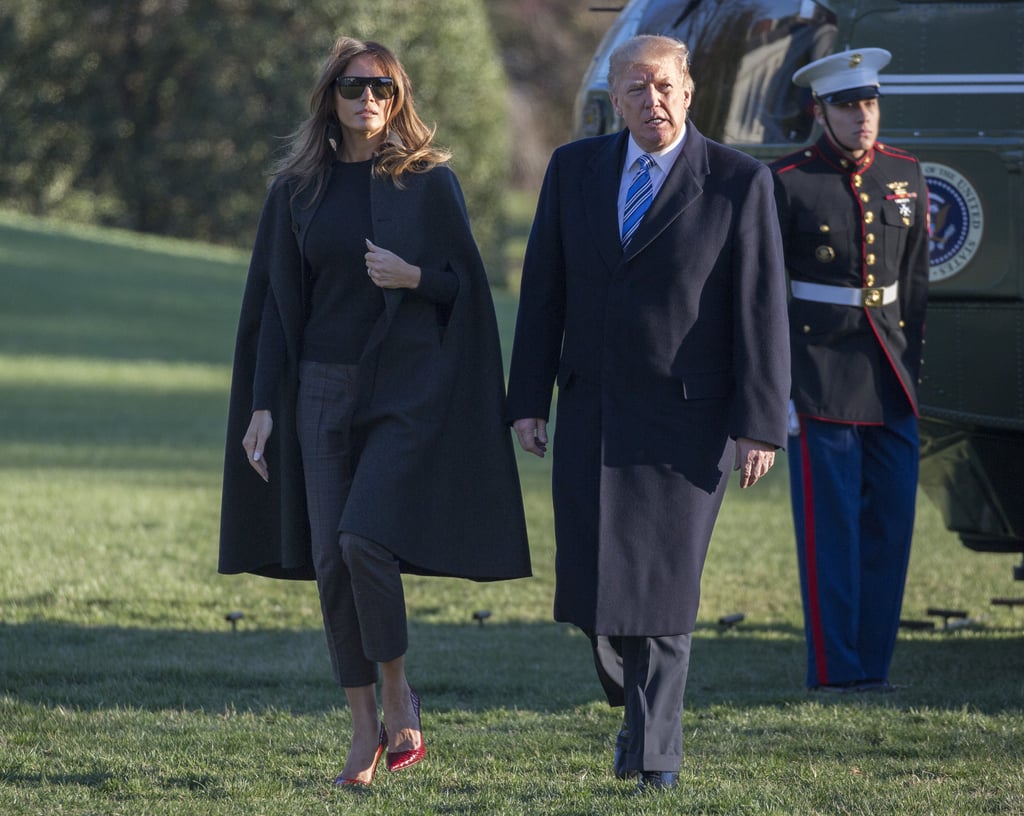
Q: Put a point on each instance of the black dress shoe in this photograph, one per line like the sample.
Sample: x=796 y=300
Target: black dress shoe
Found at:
x=857 y=687
x=619 y=760
x=657 y=781
x=879 y=687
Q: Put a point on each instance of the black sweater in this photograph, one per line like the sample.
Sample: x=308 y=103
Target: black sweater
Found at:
x=343 y=303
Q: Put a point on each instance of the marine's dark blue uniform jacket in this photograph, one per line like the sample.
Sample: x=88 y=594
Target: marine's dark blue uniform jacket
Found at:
x=862 y=225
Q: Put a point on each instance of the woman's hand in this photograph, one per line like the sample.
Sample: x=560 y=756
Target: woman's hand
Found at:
x=388 y=271
x=255 y=439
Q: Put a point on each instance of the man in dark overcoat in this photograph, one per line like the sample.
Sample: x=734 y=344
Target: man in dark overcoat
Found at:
x=854 y=220
x=669 y=350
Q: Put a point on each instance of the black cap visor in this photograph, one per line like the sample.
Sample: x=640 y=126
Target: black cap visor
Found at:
x=852 y=95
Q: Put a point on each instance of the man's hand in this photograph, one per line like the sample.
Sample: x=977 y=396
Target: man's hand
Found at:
x=255 y=440
x=753 y=459
x=533 y=435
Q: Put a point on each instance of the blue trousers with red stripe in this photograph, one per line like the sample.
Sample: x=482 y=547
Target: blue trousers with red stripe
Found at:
x=853 y=490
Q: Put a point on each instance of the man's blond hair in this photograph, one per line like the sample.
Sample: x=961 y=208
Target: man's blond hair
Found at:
x=646 y=49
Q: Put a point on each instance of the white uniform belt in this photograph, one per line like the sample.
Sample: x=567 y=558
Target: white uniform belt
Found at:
x=845 y=295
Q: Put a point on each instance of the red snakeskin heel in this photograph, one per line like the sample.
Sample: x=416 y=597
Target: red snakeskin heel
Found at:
x=382 y=743
x=400 y=760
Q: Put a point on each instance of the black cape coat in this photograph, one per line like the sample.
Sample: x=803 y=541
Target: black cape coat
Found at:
x=436 y=480
x=663 y=354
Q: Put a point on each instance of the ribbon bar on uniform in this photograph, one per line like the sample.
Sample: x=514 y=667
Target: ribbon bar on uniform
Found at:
x=845 y=295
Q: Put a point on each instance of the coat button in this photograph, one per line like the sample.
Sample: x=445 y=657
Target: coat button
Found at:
x=807 y=329
x=869 y=238
x=870 y=260
x=869 y=218
x=865 y=197
x=824 y=228
x=869 y=280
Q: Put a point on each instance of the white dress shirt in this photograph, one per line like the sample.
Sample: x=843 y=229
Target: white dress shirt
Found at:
x=663 y=161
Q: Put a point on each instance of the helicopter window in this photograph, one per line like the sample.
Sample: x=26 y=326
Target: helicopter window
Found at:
x=743 y=54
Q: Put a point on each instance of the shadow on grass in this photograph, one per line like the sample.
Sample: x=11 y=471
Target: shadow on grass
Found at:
x=86 y=297
x=544 y=668
x=67 y=426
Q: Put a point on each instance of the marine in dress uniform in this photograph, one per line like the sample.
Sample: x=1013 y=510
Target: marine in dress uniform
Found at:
x=854 y=220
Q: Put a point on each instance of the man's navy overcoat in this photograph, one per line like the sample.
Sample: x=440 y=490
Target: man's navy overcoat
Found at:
x=663 y=355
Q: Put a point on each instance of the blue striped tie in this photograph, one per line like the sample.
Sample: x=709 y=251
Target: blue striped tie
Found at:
x=638 y=198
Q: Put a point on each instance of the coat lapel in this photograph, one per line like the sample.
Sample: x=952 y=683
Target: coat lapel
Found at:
x=600 y=194
x=684 y=185
x=388 y=209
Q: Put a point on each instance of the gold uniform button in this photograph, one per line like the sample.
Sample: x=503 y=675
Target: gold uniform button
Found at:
x=824 y=228
x=825 y=254
x=807 y=329
x=857 y=181
x=808 y=153
x=870 y=260
x=903 y=324
x=870 y=280
x=869 y=238
x=869 y=218
x=865 y=197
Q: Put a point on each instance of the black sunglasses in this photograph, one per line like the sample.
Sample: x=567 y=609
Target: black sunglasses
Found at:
x=351 y=87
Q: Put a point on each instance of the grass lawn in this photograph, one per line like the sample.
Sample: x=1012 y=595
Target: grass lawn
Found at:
x=124 y=690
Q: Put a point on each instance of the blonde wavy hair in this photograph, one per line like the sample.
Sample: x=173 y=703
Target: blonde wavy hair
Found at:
x=407 y=146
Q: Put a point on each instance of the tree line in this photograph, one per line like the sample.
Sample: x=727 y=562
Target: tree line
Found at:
x=164 y=116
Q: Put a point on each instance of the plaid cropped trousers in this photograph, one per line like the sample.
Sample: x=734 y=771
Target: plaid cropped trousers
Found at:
x=359 y=581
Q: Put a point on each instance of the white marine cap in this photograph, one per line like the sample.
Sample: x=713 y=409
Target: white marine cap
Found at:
x=846 y=76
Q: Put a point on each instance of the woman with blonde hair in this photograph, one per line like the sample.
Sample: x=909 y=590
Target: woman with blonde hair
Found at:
x=367 y=392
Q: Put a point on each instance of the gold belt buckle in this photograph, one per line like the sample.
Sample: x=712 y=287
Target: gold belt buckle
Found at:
x=871 y=297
